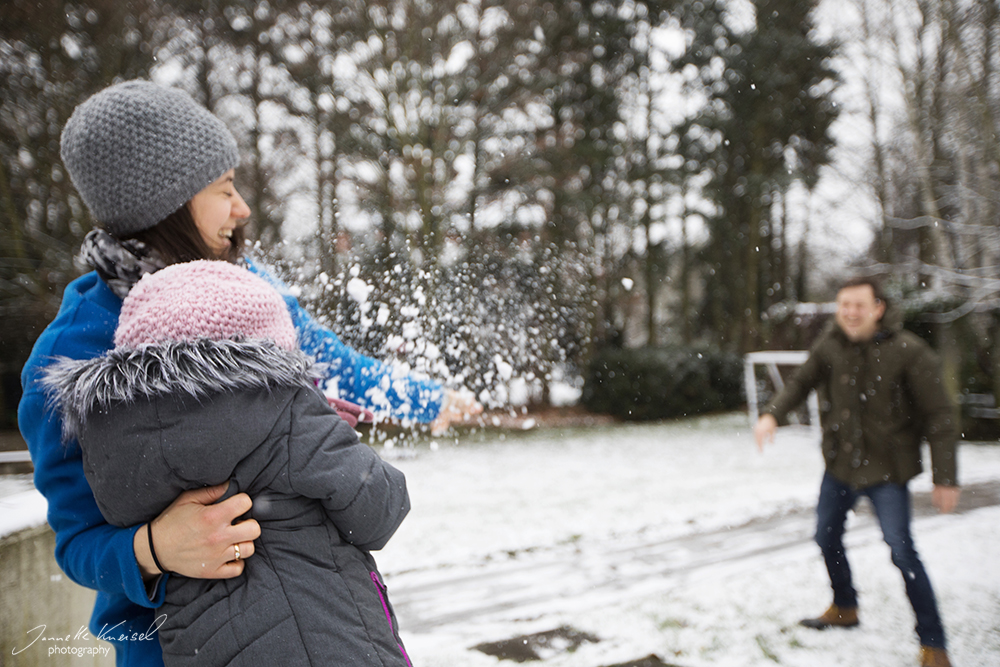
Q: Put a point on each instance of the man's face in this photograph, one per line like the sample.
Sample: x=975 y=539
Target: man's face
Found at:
x=859 y=312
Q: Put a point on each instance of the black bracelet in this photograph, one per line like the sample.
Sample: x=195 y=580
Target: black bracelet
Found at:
x=152 y=551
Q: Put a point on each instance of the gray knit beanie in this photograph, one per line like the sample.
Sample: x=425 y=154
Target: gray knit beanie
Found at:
x=137 y=152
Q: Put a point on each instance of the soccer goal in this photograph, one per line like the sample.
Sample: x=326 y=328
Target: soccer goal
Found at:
x=771 y=360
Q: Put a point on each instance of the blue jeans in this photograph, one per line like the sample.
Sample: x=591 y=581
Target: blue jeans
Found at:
x=892 y=506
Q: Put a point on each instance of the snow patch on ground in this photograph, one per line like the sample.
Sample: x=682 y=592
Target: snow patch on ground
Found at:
x=546 y=509
x=487 y=504
x=24 y=508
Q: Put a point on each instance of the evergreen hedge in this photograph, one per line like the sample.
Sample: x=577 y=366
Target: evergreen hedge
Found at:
x=663 y=382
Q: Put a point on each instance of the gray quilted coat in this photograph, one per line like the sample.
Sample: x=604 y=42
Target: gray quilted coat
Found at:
x=159 y=420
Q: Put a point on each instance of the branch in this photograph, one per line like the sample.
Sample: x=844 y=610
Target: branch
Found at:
x=931 y=221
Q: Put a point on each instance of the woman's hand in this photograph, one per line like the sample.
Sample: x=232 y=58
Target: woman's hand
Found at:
x=457 y=407
x=197 y=538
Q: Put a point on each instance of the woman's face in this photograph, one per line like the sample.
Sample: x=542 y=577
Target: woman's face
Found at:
x=217 y=211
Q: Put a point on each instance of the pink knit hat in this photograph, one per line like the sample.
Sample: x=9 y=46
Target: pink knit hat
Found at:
x=203 y=299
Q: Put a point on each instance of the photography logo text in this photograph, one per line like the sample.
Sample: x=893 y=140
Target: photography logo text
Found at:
x=39 y=638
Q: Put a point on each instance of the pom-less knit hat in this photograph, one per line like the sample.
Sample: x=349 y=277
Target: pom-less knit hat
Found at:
x=203 y=299
x=137 y=152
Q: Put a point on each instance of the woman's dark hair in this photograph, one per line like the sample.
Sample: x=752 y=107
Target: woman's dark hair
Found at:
x=178 y=239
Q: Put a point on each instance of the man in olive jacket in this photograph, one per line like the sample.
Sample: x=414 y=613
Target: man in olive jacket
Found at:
x=881 y=394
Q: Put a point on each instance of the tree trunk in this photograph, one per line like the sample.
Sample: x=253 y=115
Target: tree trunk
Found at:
x=685 y=280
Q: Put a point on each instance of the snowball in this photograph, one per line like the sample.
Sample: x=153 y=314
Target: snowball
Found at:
x=504 y=369
x=359 y=290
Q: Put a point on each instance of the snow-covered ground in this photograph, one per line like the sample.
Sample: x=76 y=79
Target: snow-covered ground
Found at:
x=675 y=539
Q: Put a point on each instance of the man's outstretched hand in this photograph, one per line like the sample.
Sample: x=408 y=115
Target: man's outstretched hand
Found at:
x=763 y=432
x=945 y=498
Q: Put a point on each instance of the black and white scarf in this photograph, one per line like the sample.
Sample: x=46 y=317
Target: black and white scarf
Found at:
x=119 y=263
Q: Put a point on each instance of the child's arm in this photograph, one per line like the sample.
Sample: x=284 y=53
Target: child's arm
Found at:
x=364 y=496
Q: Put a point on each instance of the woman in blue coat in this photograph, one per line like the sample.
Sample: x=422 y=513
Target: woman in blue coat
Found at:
x=156 y=171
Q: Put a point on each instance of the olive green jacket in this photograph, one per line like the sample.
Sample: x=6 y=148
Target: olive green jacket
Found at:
x=878 y=401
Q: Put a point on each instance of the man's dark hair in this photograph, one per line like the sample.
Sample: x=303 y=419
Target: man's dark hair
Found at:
x=178 y=239
x=871 y=281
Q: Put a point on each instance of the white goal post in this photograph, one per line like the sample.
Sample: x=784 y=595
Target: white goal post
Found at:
x=771 y=359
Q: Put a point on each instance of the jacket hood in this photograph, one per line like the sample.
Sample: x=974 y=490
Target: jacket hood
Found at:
x=199 y=368
x=892 y=321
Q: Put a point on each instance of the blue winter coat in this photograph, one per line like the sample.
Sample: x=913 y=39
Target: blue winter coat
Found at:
x=96 y=554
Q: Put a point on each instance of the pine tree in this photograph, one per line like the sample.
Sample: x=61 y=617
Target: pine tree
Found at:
x=766 y=123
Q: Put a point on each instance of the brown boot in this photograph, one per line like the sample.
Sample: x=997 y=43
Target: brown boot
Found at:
x=834 y=617
x=934 y=657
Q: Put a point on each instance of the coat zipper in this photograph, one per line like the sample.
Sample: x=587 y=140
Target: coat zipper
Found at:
x=380 y=589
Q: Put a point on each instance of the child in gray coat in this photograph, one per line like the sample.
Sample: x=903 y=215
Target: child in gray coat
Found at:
x=206 y=384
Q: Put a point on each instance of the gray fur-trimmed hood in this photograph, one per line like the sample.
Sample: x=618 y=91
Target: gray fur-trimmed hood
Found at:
x=200 y=368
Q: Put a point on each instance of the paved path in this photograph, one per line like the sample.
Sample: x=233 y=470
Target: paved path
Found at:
x=588 y=573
